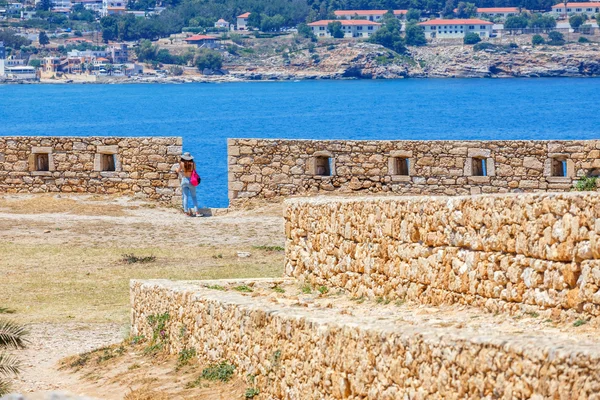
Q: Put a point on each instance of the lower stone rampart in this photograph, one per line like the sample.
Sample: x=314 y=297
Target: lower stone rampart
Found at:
x=498 y=251
x=308 y=347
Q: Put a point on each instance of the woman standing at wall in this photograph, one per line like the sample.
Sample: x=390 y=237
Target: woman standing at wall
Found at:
x=189 y=180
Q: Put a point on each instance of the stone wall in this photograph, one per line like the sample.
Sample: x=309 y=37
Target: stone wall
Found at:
x=103 y=165
x=294 y=351
x=498 y=251
x=270 y=168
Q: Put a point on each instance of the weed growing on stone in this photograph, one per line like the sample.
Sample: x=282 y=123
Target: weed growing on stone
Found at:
x=243 y=288
x=278 y=289
x=579 y=322
x=323 y=289
x=382 y=300
x=138 y=339
x=306 y=289
x=549 y=320
x=532 y=314
x=4 y=310
x=185 y=356
x=215 y=287
x=359 y=300
x=218 y=256
x=158 y=323
x=586 y=183
x=133 y=259
x=134 y=366
x=218 y=372
x=400 y=303
x=269 y=248
x=251 y=393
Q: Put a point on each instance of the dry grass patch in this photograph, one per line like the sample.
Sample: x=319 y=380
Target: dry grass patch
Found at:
x=74 y=283
x=51 y=204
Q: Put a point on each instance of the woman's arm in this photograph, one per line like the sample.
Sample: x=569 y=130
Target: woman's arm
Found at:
x=178 y=170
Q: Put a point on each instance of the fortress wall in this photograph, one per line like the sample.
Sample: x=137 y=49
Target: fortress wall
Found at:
x=103 y=165
x=497 y=251
x=261 y=168
x=293 y=352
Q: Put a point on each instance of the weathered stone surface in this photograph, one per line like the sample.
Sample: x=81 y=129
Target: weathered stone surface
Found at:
x=302 y=347
x=434 y=167
x=143 y=165
x=495 y=251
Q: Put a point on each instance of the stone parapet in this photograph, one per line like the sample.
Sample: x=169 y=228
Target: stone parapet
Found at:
x=298 y=346
x=265 y=168
x=102 y=165
x=497 y=251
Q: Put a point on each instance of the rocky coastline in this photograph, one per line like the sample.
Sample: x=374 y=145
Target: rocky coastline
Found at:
x=360 y=60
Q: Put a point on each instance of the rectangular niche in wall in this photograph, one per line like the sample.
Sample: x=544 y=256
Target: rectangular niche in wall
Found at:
x=479 y=167
x=107 y=159
x=401 y=166
x=559 y=167
x=41 y=161
x=107 y=162
x=322 y=167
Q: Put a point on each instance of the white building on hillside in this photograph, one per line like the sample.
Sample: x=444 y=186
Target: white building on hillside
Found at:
x=456 y=28
x=221 y=23
x=242 y=21
x=369 y=15
x=61 y=5
x=13 y=68
x=503 y=12
x=91 y=5
x=352 y=28
x=112 y=7
x=588 y=8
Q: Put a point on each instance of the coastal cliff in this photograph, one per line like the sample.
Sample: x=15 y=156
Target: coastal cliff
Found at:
x=369 y=61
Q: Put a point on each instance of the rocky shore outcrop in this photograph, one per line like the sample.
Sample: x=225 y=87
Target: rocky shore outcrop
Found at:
x=361 y=60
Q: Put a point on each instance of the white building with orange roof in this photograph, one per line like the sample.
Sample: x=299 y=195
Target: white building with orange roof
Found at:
x=369 y=15
x=113 y=7
x=352 y=28
x=242 y=21
x=221 y=23
x=588 y=8
x=456 y=28
x=494 y=12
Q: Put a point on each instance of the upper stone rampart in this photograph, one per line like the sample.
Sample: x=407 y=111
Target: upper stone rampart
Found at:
x=266 y=168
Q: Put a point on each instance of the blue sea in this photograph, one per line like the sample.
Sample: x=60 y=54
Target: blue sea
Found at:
x=205 y=115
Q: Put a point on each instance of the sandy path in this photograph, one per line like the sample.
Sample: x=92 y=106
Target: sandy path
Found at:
x=48 y=344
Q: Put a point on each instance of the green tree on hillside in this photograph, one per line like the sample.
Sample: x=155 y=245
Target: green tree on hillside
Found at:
x=306 y=32
x=516 y=22
x=556 y=38
x=43 y=39
x=208 y=59
x=415 y=35
x=537 y=40
x=413 y=15
x=254 y=20
x=390 y=35
x=576 y=21
x=466 y=10
x=471 y=38
x=335 y=29
x=146 y=51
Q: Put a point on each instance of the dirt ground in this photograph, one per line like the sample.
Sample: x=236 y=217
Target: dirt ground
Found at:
x=64 y=272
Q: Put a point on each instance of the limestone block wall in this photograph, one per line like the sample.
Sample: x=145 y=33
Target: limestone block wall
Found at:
x=265 y=168
x=103 y=165
x=498 y=251
x=297 y=353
